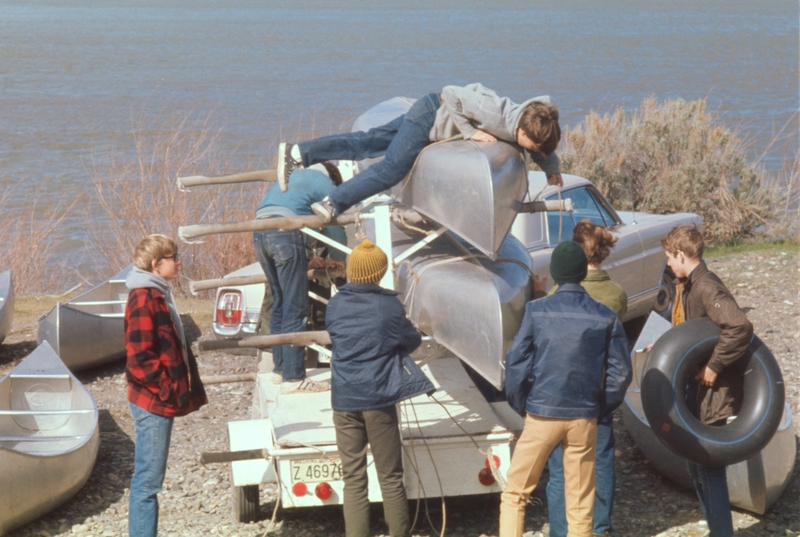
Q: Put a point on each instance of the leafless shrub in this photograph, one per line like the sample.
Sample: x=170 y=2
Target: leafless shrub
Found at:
x=135 y=185
x=29 y=241
x=675 y=156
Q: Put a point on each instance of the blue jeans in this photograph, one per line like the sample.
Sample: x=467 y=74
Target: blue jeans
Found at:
x=604 y=486
x=282 y=255
x=711 y=485
x=153 y=434
x=400 y=140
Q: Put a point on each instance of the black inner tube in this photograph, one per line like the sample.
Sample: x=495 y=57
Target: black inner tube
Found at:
x=674 y=360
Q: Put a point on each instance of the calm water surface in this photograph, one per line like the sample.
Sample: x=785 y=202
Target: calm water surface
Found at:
x=74 y=73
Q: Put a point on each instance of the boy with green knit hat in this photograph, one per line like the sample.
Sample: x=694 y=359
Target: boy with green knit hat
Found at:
x=371 y=372
x=568 y=366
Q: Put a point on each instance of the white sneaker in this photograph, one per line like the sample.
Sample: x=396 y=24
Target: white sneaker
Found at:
x=324 y=209
x=305 y=385
x=277 y=378
x=286 y=164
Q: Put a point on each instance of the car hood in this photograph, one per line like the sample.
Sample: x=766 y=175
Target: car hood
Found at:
x=639 y=217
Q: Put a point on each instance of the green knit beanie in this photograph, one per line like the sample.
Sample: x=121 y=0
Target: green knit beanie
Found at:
x=568 y=263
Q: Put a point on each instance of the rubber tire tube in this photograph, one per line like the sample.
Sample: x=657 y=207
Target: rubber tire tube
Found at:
x=676 y=355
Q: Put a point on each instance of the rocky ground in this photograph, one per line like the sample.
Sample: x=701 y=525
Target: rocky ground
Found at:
x=196 y=500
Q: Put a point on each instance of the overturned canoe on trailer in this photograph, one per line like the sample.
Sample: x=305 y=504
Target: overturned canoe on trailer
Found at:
x=6 y=303
x=475 y=189
x=48 y=437
x=753 y=484
x=89 y=329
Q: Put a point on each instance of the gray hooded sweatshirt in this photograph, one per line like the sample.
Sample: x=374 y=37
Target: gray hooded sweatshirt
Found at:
x=138 y=279
x=474 y=107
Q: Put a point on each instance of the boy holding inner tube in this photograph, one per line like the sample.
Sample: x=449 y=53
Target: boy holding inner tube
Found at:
x=701 y=293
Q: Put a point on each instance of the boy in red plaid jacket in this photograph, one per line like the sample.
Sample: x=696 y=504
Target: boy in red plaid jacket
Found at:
x=163 y=381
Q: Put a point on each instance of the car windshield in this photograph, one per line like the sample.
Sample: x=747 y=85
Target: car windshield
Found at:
x=585 y=205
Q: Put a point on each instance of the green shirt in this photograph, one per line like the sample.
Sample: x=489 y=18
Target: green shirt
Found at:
x=601 y=288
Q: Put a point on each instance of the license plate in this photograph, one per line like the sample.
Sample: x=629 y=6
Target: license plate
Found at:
x=315 y=470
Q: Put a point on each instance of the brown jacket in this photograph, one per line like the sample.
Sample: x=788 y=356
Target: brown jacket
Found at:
x=704 y=295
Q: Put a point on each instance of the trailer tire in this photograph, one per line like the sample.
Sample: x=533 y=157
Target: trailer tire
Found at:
x=673 y=358
x=245 y=503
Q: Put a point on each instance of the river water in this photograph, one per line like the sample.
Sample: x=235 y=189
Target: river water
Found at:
x=74 y=73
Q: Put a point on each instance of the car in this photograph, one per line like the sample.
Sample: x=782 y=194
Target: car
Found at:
x=637 y=262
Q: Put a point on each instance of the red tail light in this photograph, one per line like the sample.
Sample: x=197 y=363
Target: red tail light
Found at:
x=299 y=489
x=485 y=477
x=496 y=462
x=323 y=491
x=229 y=308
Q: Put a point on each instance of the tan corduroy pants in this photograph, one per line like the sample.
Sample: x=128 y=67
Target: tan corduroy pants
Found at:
x=578 y=439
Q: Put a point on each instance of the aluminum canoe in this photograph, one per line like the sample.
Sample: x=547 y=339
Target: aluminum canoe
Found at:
x=467 y=302
x=754 y=484
x=48 y=437
x=473 y=188
x=89 y=329
x=6 y=304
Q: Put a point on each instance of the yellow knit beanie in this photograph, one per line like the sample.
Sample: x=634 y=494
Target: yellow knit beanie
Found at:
x=367 y=263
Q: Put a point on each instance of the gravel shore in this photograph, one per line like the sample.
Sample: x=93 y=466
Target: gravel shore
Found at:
x=196 y=500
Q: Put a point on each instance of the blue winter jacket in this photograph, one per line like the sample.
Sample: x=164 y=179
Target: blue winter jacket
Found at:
x=372 y=337
x=306 y=186
x=569 y=359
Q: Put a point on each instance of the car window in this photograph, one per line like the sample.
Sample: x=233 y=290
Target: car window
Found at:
x=585 y=205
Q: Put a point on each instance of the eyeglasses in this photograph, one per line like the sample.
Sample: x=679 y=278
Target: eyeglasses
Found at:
x=175 y=257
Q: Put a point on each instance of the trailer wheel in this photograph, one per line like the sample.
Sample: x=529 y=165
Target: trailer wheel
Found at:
x=245 y=503
x=673 y=359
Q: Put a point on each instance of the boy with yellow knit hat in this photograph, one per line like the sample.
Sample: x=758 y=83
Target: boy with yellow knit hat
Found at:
x=371 y=372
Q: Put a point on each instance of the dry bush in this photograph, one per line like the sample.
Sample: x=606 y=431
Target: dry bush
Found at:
x=675 y=156
x=136 y=188
x=29 y=242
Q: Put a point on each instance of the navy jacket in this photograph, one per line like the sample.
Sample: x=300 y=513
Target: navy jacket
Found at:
x=371 y=338
x=569 y=359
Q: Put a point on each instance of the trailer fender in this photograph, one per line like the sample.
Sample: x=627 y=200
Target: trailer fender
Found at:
x=674 y=357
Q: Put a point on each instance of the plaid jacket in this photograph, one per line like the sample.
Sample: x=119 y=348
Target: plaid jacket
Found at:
x=159 y=380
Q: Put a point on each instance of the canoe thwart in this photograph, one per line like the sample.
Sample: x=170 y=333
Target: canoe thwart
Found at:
x=266 y=176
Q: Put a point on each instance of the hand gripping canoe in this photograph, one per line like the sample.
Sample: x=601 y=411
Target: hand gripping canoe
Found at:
x=265 y=176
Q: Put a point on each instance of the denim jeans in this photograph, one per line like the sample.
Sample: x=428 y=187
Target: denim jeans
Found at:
x=400 y=140
x=282 y=255
x=604 y=486
x=380 y=429
x=711 y=485
x=149 y=466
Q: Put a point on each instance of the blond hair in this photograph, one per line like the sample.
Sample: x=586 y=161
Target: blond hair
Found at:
x=153 y=248
x=688 y=239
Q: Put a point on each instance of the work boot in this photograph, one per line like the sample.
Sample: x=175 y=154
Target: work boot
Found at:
x=305 y=385
x=286 y=164
x=324 y=209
